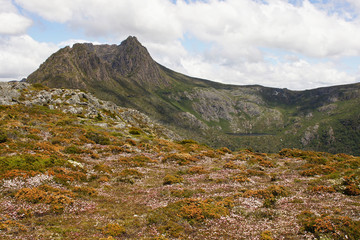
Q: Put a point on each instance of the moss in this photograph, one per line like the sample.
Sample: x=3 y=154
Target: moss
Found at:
x=29 y=163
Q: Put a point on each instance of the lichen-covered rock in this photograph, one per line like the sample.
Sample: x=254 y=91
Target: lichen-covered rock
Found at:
x=79 y=103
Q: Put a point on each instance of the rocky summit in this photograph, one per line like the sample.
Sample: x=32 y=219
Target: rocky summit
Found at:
x=256 y=117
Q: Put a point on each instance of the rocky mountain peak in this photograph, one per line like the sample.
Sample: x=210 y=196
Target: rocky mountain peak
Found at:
x=131 y=41
x=85 y=63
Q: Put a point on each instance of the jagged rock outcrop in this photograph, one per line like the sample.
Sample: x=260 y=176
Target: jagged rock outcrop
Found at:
x=78 y=102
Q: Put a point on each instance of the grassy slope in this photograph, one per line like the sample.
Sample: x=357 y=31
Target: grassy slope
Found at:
x=69 y=177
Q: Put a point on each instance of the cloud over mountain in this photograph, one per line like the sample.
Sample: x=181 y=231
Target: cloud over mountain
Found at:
x=240 y=35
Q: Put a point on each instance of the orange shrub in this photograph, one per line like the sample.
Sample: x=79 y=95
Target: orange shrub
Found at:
x=322 y=188
x=336 y=227
x=33 y=195
x=197 y=170
x=172 y=179
x=223 y=150
x=12 y=226
x=45 y=194
x=240 y=178
x=210 y=154
x=64 y=175
x=231 y=165
x=14 y=173
x=196 y=210
x=114 y=229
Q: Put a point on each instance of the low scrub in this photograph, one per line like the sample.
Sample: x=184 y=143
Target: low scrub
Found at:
x=333 y=227
x=172 y=179
x=180 y=158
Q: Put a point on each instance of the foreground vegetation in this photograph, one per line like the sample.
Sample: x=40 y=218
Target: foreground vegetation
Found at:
x=65 y=176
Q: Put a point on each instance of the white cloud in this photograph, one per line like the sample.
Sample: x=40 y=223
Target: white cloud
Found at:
x=232 y=24
x=278 y=24
x=236 y=30
x=354 y=3
x=296 y=75
x=11 y=22
x=54 y=10
x=151 y=19
x=21 y=55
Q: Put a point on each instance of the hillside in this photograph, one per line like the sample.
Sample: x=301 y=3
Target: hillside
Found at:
x=76 y=167
x=264 y=119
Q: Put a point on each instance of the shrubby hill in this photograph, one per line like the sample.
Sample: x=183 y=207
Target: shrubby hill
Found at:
x=265 y=119
x=76 y=167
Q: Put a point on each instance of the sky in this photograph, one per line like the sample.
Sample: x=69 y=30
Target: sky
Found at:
x=294 y=44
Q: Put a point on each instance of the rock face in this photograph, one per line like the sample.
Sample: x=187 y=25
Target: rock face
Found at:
x=266 y=119
x=80 y=103
x=82 y=64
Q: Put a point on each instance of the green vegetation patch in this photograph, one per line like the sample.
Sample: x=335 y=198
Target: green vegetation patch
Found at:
x=172 y=220
x=98 y=138
x=29 y=163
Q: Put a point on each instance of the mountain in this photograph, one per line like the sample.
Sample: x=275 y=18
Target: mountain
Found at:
x=76 y=167
x=261 y=118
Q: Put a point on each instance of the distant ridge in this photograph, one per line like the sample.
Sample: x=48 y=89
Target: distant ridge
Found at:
x=323 y=119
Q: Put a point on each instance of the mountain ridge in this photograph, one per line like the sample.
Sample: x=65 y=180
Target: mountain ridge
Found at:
x=208 y=111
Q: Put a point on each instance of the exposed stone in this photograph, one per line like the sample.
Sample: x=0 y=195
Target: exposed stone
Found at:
x=70 y=101
x=189 y=120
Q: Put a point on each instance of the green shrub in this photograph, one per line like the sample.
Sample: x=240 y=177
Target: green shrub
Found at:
x=135 y=131
x=97 y=138
x=3 y=137
x=182 y=193
x=29 y=163
x=73 y=150
x=188 y=141
x=34 y=137
x=172 y=179
x=129 y=175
